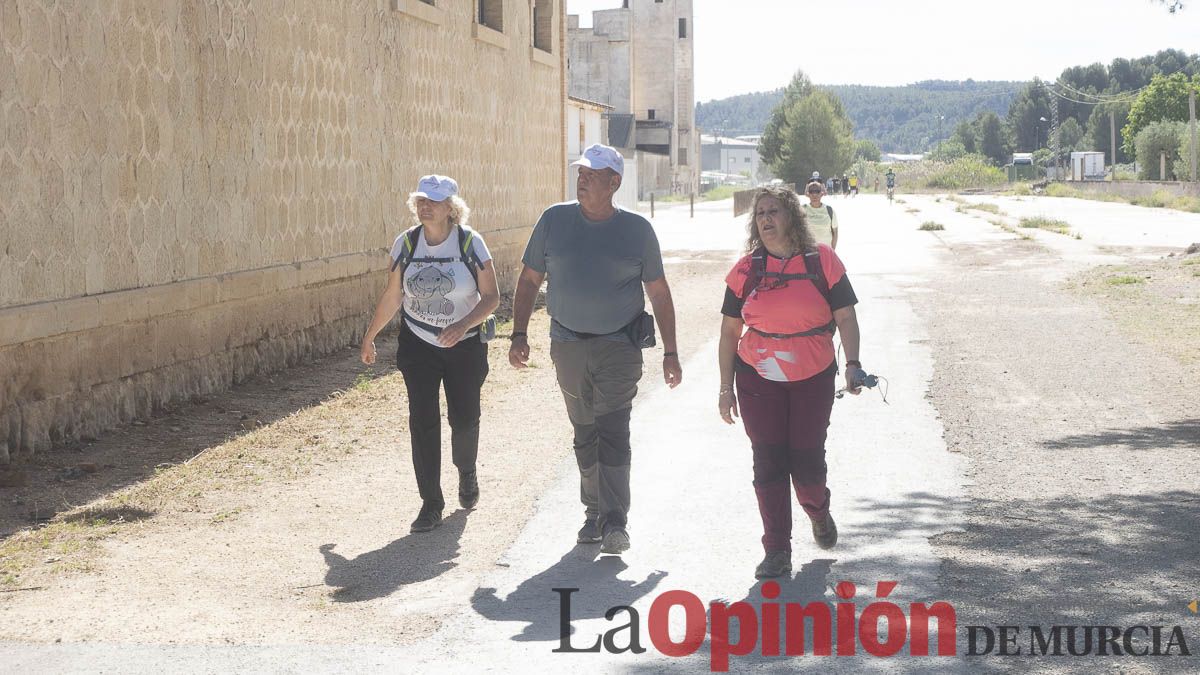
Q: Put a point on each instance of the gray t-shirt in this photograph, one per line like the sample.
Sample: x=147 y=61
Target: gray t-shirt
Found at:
x=595 y=269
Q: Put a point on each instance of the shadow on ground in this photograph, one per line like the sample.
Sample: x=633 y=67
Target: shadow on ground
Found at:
x=1182 y=434
x=73 y=474
x=536 y=604
x=408 y=560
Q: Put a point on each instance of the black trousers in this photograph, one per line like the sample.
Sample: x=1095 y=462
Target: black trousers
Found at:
x=461 y=369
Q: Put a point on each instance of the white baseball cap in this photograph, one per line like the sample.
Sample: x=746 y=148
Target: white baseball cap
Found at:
x=436 y=188
x=599 y=156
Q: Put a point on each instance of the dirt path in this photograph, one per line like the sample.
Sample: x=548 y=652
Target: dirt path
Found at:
x=1083 y=441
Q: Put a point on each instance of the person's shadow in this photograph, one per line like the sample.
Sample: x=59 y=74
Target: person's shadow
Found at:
x=536 y=603
x=809 y=584
x=410 y=559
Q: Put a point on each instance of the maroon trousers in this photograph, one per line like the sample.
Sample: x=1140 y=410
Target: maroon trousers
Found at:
x=786 y=423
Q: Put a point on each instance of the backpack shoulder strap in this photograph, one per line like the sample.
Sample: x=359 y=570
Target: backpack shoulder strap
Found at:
x=411 y=237
x=466 y=251
x=758 y=267
x=829 y=210
x=813 y=266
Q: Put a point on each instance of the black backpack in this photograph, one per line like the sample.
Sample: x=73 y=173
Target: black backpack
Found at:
x=813 y=272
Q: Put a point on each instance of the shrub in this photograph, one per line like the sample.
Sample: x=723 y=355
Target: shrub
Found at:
x=1043 y=223
x=930 y=226
x=971 y=171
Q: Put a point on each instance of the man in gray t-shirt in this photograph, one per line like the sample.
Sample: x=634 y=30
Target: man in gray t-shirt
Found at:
x=598 y=259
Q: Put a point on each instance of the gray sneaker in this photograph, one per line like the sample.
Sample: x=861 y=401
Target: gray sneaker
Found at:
x=775 y=564
x=616 y=541
x=589 y=533
x=825 y=532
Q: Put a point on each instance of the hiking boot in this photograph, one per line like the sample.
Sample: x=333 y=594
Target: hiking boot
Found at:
x=825 y=532
x=427 y=519
x=775 y=564
x=468 y=489
x=616 y=541
x=589 y=533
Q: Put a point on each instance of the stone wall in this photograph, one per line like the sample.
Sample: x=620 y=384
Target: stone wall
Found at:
x=199 y=191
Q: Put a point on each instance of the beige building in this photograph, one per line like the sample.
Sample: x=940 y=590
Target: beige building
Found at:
x=198 y=191
x=638 y=58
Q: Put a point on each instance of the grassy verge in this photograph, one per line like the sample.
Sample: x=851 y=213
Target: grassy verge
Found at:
x=1049 y=224
x=1155 y=302
x=982 y=206
x=1160 y=199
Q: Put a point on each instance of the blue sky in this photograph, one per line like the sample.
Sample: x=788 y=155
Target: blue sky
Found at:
x=756 y=45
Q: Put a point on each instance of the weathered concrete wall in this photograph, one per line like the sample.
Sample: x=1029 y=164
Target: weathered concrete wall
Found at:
x=601 y=59
x=198 y=191
x=1138 y=188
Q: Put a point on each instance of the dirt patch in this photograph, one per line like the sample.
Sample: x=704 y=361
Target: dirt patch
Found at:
x=1082 y=446
x=1156 y=303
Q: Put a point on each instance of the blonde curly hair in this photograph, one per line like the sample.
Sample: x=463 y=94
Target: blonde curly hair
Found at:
x=459 y=211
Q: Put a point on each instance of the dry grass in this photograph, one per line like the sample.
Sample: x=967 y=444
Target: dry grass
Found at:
x=1009 y=228
x=930 y=226
x=1157 y=303
x=1048 y=224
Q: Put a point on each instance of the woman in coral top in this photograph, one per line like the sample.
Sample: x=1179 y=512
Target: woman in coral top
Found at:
x=783 y=301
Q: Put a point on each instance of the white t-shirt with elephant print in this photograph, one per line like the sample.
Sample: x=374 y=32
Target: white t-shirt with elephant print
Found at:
x=439 y=293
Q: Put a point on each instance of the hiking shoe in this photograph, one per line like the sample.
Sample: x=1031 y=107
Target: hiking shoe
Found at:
x=825 y=532
x=427 y=519
x=775 y=564
x=616 y=541
x=589 y=533
x=468 y=489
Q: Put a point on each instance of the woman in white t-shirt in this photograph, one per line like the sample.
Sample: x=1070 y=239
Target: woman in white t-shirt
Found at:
x=443 y=277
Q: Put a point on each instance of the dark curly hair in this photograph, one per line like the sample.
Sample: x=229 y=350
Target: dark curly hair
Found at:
x=797 y=231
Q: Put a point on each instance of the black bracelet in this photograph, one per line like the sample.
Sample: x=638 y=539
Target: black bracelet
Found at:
x=666 y=354
x=856 y=364
x=518 y=334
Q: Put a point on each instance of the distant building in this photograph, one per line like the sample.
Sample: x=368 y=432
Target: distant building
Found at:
x=588 y=123
x=730 y=156
x=896 y=157
x=639 y=59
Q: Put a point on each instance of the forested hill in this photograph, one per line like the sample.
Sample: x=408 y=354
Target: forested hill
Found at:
x=897 y=119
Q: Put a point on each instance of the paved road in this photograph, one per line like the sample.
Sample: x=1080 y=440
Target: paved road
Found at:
x=694 y=521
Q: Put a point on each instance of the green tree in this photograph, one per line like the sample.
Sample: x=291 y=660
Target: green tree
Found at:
x=948 y=151
x=1024 y=117
x=1070 y=136
x=866 y=150
x=809 y=131
x=1158 y=138
x=1099 y=130
x=1166 y=98
x=964 y=135
x=991 y=138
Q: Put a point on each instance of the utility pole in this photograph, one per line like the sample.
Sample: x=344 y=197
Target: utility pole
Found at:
x=1192 y=123
x=1112 y=128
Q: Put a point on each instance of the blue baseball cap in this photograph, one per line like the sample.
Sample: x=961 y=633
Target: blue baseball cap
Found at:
x=436 y=188
x=599 y=156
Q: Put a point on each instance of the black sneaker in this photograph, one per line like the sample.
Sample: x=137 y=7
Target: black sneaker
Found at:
x=616 y=541
x=427 y=519
x=468 y=489
x=589 y=533
x=775 y=564
x=825 y=532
